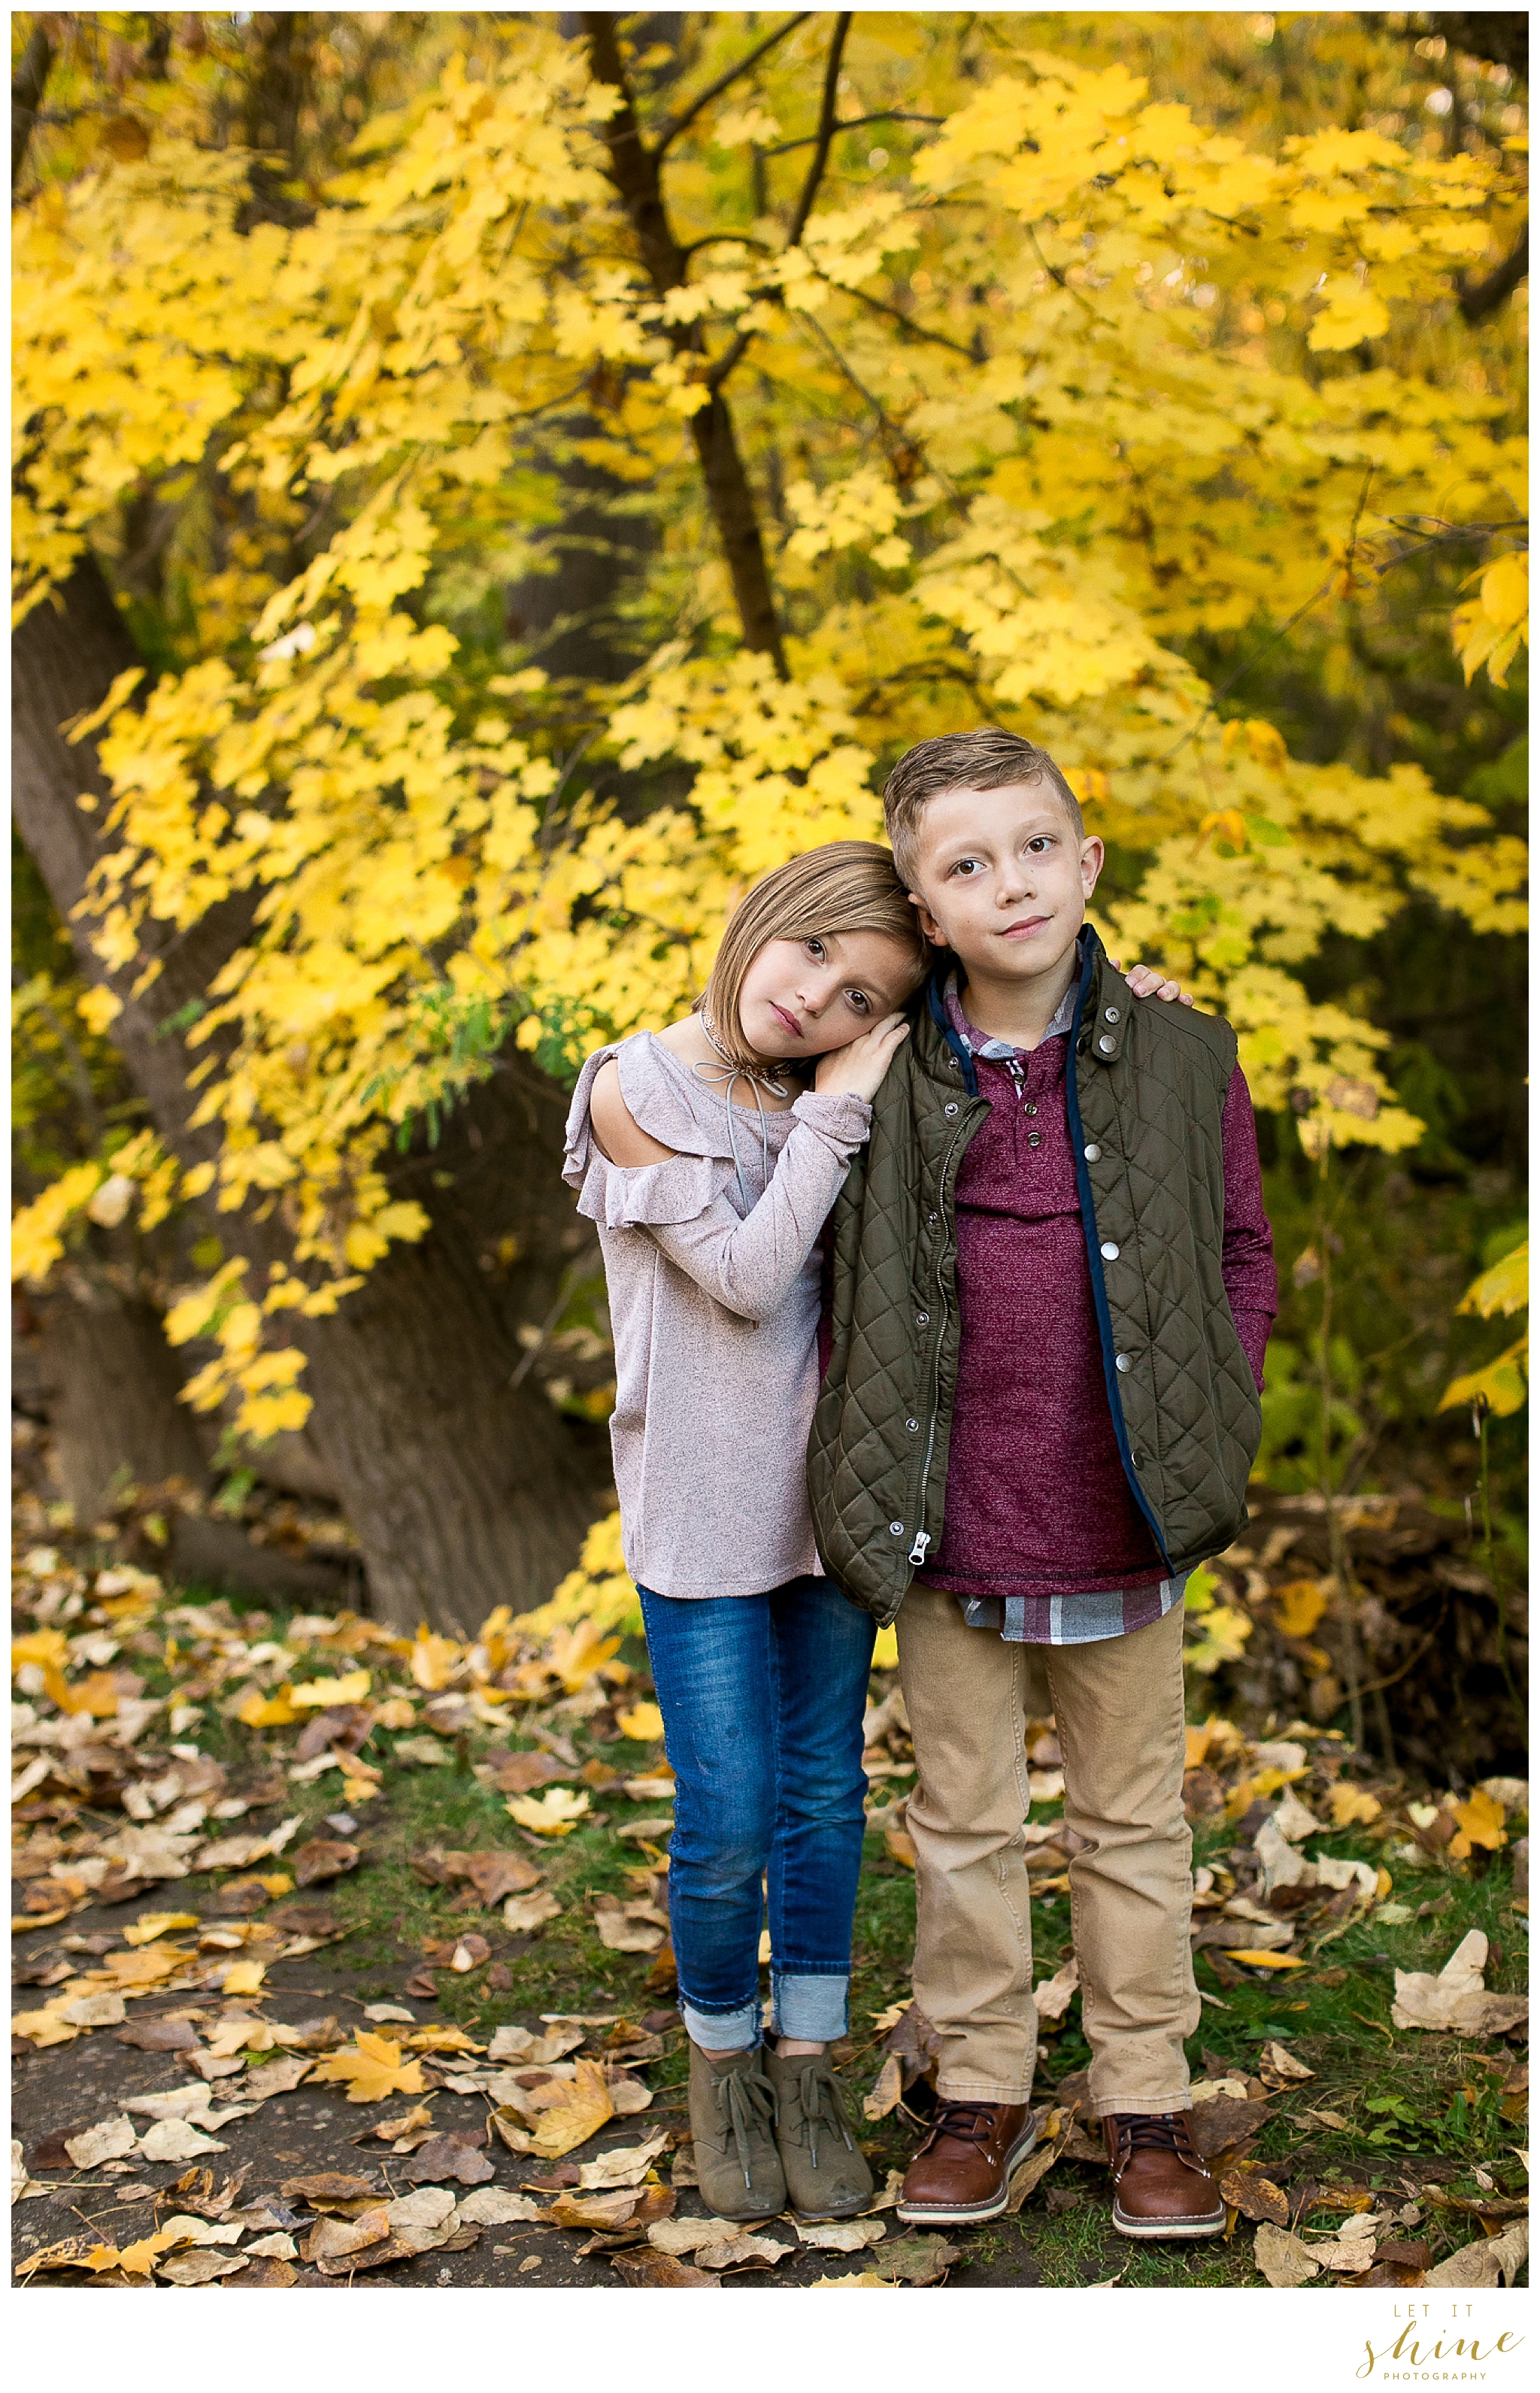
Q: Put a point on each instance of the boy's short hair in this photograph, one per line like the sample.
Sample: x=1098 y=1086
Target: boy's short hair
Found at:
x=985 y=758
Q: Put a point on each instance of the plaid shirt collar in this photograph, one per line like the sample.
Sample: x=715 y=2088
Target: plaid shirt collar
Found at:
x=1001 y=1051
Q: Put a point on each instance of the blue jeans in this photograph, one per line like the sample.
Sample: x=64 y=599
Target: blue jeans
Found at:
x=762 y=1698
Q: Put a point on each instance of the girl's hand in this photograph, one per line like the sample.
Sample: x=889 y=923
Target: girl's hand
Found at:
x=857 y=1070
x=1145 y=981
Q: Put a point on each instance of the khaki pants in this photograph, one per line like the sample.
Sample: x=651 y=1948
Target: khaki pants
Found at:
x=1119 y=1708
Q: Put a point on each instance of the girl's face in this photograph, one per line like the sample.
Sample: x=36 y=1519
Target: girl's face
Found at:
x=802 y=997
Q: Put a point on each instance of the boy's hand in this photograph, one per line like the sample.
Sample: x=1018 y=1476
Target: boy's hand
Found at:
x=1145 y=981
x=857 y=1070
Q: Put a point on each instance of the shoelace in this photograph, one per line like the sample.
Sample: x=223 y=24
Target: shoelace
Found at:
x=818 y=2091
x=749 y=2104
x=1151 y=2132
x=966 y=2122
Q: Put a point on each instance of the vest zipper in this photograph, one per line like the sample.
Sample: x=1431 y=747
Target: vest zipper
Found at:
x=922 y=1536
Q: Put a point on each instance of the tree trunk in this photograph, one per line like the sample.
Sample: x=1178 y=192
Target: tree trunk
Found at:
x=462 y=1490
x=108 y=1383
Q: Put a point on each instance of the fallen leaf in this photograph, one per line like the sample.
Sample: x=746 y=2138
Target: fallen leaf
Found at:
x=1277 y=2057
x=643 y=1723
x=627 y=2095
x=621 y=1931
x=607 y=2211
x=1283 y=2258
x=161 y=2035
x=469 y=1954
x=915 y=2260
x=110 y=2142
x=643 y=2266
x=329 y=2186
x=1352 y=1803
x=888 y=2091
x=554 y=1813
x=273 y=2247
x=1052 y=2000
x=1455 y=2000
x=1029 y=2175
x=201 y=2267
x=320 y=1695
x=1255 y=1959
x=331 y=2239
x=841 y=2234
x=491 y=2207
x=151 y=1924
x=178 y=2140
x=323 y=1858
x=384 y=2254
x=373 y=2069
x=498 y=1874
x=519 y=1773
x=524 y=1913
x=586 y=2104
x=243 y=1977
x=383 y=2014
x=449 y=2156
x=1254 y=2196
x=276 y=2078
x=627 y=2165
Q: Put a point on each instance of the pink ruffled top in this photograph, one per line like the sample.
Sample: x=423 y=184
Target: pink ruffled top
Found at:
x=712 y=1266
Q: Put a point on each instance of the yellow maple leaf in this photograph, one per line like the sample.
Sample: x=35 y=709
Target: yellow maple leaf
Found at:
x=1300 y=1606
x=432 y=1658
x=370 y=2069
x=643 y=1721
x=137 y=2259
x=441 y=2039
x=1351 y=1803
x=151 y=1924
x=577 y=1652
x=319 y=1695
x=1263 y=1960
x=268 y=1711
x=243 y=1977
x=579 y=2112
x=44 y=2027
x=1481 y=1820
x=554 y=1813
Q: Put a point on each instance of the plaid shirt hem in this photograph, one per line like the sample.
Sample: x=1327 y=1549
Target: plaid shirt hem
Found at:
x=1072 y=1619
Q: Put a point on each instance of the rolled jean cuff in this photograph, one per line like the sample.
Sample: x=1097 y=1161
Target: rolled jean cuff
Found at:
x=1120 y=2106
x=722 y=2031
x=811 y=2009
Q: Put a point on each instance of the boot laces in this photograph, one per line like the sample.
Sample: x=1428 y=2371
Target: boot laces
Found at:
x=823 y=2106
x=750 y=2107
x=1153 y=2132
x=965 y=2122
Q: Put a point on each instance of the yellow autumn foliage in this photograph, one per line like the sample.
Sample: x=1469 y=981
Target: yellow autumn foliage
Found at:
x=1080 y=448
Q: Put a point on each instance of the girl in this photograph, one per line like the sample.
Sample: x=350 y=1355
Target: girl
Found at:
x=710 y=1156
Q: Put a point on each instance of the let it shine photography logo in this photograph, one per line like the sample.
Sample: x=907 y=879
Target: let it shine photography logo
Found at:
x=1434 y=2343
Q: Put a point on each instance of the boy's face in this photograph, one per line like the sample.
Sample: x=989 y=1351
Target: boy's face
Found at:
x=1001 y=877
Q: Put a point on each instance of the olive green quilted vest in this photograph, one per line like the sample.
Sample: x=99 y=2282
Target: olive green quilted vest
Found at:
x=1146 y=1085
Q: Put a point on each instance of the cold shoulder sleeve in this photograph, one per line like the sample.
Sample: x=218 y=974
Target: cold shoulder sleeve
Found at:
x=748 y=1264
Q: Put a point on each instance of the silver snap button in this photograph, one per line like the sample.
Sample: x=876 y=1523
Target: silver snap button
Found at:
x=1123 y=1362
x=1103 y=1047
x=1111 y=1015
x=912 y=1425
x=1093 y=1155
x=1134 y=1459
x=951 y=1111
x=1109 y=1253
x=923 y=1319
x=895 y=1528
x=932 y=1219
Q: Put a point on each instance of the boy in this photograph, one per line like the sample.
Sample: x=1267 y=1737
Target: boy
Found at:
x=1052 y=1282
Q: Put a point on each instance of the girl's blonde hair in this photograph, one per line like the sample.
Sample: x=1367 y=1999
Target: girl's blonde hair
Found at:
x=851 y=885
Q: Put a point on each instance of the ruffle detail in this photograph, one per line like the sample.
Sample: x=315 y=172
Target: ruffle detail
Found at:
x=663 y=1100
x=680 y=1190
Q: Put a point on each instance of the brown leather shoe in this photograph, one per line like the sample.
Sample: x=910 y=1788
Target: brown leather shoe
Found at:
x=1159 y=2183
x=962 y=2170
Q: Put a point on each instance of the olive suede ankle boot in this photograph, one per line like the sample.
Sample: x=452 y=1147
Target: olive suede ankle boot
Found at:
x=731 y=2116
x=826 y=2175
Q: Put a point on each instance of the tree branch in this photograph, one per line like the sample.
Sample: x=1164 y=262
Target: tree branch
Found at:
x=686 y=116
x=825 y=135
x=1478 y=299
x=27 y=90
x=850 y=125
x=920 y=332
